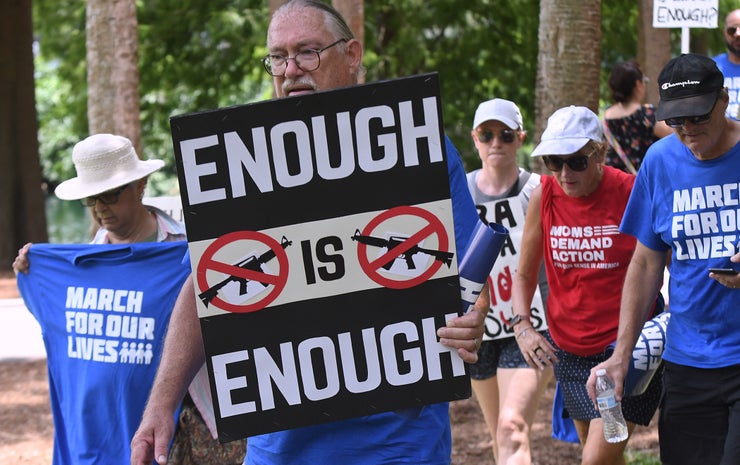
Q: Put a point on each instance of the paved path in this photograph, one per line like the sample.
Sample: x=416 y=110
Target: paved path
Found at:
x=20 y=334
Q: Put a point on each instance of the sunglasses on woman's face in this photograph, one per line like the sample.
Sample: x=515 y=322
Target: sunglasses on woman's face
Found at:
x=106 y=198
x=575 y=163
x=506 y=136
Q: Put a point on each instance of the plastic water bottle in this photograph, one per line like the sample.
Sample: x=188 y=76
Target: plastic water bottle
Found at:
x=615 y=428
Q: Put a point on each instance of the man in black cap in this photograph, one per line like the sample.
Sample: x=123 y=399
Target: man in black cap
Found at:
x=686 y=200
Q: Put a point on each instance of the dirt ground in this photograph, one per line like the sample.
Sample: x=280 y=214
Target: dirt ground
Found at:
x=26 y=429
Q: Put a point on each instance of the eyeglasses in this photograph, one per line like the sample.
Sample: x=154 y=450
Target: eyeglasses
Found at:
x=506 y=136
x=681 y=120
x=731 y=30
x=575 y=163
x=306 y=60
x=106 y=198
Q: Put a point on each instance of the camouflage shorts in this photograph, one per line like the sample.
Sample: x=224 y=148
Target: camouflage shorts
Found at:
x=194 y=445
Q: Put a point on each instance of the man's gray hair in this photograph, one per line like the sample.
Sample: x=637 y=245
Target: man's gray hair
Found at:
x=334 y=20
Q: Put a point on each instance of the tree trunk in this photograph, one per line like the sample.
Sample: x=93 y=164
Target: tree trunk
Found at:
x=112 y=69
x=653 y=49
x=275 y=4
x=569 y=59
x=353 y=12
x=22 y=214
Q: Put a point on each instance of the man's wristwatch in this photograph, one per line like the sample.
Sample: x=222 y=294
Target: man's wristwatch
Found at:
x=516 y=319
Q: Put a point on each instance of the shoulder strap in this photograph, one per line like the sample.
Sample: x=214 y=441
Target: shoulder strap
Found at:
x=617 y=148
x=532 y=181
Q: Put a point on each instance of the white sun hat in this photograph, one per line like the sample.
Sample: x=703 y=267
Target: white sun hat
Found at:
x=104 y=162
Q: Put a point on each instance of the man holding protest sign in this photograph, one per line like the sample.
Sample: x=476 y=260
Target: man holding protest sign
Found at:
x=312 y=49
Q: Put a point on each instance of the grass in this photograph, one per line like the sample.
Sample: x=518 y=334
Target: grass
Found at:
x=642 y=458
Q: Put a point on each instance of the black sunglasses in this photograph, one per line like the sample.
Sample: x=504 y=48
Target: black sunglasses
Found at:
x=107 y=197
x=506 y=136
x=575 y=163
x=701 y=119
x=731 y=30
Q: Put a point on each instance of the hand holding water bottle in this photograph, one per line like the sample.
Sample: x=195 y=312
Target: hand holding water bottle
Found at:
x=615 y=427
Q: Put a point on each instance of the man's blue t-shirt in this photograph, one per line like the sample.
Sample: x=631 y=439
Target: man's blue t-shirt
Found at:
x=103 y=312
x=692 y=208
x=731 y=72
x=419 y=437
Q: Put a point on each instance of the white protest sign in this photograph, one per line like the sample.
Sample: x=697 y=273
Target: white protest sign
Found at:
x=509 y=213
x=685 y=13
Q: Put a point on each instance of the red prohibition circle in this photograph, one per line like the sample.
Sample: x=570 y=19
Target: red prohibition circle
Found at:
x=434 y=226
x=277 y=281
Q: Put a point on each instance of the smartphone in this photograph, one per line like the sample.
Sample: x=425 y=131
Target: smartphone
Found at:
x=723 y=271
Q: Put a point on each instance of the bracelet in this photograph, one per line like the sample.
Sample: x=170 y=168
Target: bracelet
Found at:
x=511 y=322
x=521 y=333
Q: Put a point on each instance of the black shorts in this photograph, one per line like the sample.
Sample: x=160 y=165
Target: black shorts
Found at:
x=495 y=354
x=700 y=415
x=572 y=372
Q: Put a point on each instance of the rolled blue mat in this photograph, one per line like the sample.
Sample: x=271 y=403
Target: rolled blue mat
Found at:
x=485 y=246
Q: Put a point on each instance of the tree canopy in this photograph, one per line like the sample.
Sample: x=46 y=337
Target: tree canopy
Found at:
x=198 y=55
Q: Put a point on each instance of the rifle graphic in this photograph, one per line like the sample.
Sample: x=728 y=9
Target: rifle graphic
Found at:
x=395 y=241
x=250 y=263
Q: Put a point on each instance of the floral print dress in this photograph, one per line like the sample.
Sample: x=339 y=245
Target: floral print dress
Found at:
x=634 y=134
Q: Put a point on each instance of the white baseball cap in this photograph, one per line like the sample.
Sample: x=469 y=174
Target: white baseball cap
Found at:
x=568 y=130
x=498 y=109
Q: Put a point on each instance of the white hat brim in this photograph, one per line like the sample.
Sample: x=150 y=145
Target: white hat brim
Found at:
x=76 y=188
x=510 y=123
x=563 y=146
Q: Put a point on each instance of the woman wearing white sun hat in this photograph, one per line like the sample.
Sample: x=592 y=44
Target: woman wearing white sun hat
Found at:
x=110 y=181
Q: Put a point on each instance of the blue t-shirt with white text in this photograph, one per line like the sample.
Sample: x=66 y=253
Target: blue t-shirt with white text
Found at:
x=103 y=312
